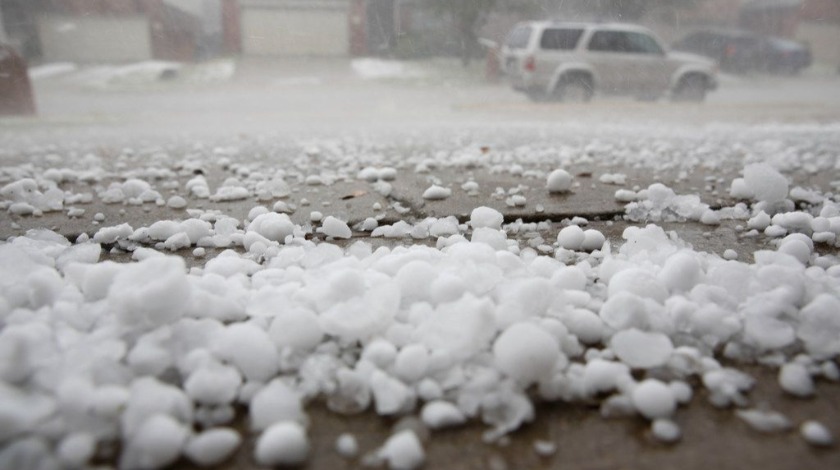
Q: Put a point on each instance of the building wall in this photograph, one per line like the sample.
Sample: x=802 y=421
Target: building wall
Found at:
x=824 y=39
x=94 y=39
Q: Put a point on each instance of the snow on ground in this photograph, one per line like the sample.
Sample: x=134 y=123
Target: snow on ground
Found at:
x=474 y=326
x=378 y=69
x=136 y=74
x=51 y=70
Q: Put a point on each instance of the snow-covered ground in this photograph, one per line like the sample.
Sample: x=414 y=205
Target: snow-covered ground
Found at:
x=469 y=319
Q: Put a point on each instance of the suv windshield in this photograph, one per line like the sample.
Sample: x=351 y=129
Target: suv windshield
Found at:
x=518 y=38
x=561 y=39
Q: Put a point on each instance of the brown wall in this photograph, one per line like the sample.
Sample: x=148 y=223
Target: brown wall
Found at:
x=821 y=10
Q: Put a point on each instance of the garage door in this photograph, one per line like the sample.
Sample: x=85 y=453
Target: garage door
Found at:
x=281 y=32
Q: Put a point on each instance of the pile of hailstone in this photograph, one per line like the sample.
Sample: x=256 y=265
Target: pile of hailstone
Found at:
x=157 y=357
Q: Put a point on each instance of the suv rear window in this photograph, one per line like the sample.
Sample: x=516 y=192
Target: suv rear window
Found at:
x=518 y=38
x=560 y=39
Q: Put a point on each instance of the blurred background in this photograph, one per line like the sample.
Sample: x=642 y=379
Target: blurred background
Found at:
x=97 y=31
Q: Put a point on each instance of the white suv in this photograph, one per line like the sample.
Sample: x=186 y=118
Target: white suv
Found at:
x=571 y=61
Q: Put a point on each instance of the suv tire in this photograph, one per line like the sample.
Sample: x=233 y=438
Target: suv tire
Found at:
x=691 y=88
x=574 y=89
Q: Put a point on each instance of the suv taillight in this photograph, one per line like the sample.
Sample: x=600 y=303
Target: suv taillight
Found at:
x=730 y=51
x=530 y=64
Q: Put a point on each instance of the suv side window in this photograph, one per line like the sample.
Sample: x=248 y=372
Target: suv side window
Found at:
x=624 y=42
x=518 y=38
x=608 y=41
x=560 y=39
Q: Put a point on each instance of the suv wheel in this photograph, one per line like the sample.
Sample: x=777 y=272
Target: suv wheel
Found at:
x=574 y=89
x=691 y=88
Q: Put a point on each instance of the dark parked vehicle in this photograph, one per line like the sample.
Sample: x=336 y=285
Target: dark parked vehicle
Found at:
x=742 y=51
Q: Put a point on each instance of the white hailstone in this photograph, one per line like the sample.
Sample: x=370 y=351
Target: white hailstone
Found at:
x=639 y=282
x=593 y=240
x=429 y=390
x=447 y=287
x=830 y=371
x=559 y=181
x=765 y=421
x=284 y=207
x=482 y=217
x=544 y=448
x=586 y=325
x=212 y=447
x=387 y=173
x=819 y=326
x=682 y=391
x=441 y=414
x=296 y=328
x=346 y=446
x=76 y=449
x=380 y=352
x=249 y=348
x=275 y=403
x=150 y=293
x=640 y=349
x=820 y=224
x=412 y=362
x=795 y=380
x=471 y=187
x=601 y=376
x=403 y=451
x=155 y=444
x=626 y=195
x=314 y=180
x=316 y=216
x=282 y=444
x=273 y=226
x=213 y=385
x=369 y=174
x=571 y=238
x=230 y=193
x=109 y=235
x=526 y=352
x=368 y=225
x=765 y=182
x=653 y=399
x=176 y=202
x=178 y=241
x=335 y=228
x=569 y=278
x=389 y=394
x=796 y=248
x=730 y=254
x=740 y=190
x=492 y=237
x=435 y=192
x=759 y=222
x=816 y=434
x=681 y=272
x=710 y=217
x=665 y=430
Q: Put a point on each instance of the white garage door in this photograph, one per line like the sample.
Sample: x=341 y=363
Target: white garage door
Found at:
x=281 y=32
